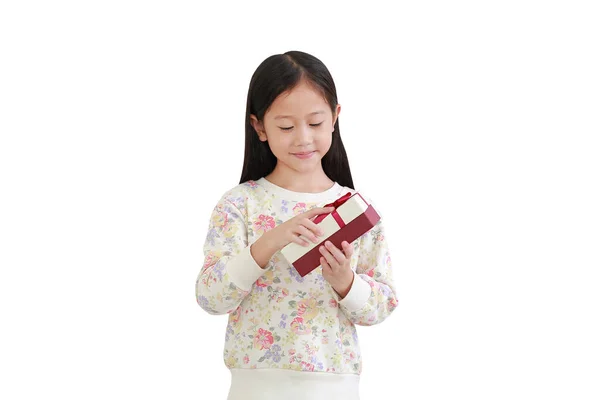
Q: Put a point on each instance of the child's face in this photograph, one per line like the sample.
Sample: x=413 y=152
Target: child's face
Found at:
x=299 y=121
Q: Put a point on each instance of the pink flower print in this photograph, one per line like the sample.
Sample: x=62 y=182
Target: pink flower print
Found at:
x=284 y=293
x=264 y=224
x=310 y=350
x=299 y=208
x=252 y=184
x=350 y=354
x=333 y=303
x=301 y=308
x=263 y=339
x=210 y=260
x=265 y=280
x=298 y=326
x=307 y=366
x=371 y=273
x=261 y=282
x=291 y=352
x=246 y=359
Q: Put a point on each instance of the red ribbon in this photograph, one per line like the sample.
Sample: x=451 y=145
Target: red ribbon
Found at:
x=334 y=213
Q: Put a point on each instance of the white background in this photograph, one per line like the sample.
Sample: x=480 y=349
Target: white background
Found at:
x=473 y=125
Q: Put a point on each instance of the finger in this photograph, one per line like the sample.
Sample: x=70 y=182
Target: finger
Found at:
x=329 y=257
x=315 y=228
x=304 y=231
x=313 y=212
x=348 y=249
x=326 y=267
x=319 y=210
x=323 y=262
x=337 y=253
x=297 y=239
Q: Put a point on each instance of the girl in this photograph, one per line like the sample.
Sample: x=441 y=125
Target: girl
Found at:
x=289 y=336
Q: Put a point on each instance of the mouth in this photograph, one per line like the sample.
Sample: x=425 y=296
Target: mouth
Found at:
x=304 y=154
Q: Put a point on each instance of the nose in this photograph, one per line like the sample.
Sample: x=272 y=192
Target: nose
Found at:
x=303 y=136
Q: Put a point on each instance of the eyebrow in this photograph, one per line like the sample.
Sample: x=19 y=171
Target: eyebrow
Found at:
x=289 y=116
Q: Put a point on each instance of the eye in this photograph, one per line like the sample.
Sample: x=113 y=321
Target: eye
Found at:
x=316 y=124
x=285 y=128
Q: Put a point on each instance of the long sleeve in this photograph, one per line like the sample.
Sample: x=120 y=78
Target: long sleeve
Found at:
x=372 y=296
x=229 y=270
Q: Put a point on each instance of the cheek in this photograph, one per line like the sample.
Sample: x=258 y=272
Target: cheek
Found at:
x=324 y=143
x=324 y=137
x=279 y=143
x=282 y=140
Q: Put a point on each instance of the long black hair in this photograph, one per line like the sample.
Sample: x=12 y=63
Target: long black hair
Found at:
x=275 y=75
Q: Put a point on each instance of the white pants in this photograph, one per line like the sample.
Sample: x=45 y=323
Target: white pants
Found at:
x=276 y=384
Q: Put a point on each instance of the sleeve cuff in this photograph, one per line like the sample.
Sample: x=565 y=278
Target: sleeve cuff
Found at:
x=243 y=270
x=358 y=296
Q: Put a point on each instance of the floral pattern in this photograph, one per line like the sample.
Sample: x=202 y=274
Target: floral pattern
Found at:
x=263 y=224
x=263 y=339
x=287 y=321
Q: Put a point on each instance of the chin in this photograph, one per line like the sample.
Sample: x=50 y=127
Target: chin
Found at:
x=303 y=166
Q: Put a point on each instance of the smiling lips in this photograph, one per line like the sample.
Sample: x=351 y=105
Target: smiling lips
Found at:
x=306 y=154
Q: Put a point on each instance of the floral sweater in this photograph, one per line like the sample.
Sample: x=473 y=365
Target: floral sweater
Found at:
x=278 y=319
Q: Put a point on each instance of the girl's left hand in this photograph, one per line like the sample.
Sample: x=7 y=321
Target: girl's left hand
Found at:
x=336 y=267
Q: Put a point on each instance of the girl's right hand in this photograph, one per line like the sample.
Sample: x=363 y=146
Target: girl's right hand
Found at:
x=301 y=224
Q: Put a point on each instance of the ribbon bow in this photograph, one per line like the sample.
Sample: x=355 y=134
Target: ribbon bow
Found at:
x=335 y=204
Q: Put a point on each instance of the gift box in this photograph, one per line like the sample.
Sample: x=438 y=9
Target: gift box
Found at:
x=353 y=216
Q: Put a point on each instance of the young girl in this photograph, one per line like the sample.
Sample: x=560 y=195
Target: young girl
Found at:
x=292 y=337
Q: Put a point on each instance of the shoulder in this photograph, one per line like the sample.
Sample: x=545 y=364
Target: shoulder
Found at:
x=243 y=195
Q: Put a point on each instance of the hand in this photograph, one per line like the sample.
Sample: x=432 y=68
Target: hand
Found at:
x=301 y=224
x=336 y=267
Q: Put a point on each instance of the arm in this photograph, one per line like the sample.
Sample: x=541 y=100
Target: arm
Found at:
x=229 y=269
x=372 y=295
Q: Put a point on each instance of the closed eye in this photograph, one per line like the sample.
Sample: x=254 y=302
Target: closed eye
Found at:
x=289 y=128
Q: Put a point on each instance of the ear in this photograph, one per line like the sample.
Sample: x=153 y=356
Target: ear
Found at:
x=338 y=108
x=259 y=128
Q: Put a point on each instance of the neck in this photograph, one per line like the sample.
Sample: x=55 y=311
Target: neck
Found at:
x=307 y=182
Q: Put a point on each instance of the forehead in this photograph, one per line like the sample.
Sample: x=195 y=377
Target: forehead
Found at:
x=299 y=102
